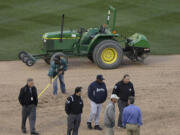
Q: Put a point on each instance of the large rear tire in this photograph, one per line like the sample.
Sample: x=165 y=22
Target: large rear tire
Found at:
x=108 y=54
x=61 y=55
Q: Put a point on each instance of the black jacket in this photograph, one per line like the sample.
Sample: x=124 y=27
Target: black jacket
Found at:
x=124 y=90
x=74 y=105
x=26 y=97
x=97 y=92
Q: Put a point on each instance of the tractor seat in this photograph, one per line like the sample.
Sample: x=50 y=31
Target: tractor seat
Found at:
x=87 y=36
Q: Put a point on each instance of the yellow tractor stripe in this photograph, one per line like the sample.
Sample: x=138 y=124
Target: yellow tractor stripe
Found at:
x=61 y=38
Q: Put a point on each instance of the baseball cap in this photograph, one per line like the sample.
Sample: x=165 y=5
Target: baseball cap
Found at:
x=100 y=77
x=114 y=96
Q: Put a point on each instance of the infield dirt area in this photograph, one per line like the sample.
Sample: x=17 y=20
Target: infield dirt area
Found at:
x=156 y=83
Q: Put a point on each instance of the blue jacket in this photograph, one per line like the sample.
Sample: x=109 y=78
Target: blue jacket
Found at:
x=97 y=92
x=55 y=68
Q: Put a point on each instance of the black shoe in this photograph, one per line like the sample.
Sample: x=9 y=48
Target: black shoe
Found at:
x=34 y=133
x=97 y=127
x=89 y=125
x=24 y=131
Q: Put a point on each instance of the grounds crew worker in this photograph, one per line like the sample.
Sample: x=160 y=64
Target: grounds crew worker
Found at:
x=97 y=94
x=109 y=116
x=132 y=118
x=123 y=89
x=28 y=99
x=58 y=67
x=74 y=108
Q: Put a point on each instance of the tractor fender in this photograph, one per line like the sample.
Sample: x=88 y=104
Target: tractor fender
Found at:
x=98 y=38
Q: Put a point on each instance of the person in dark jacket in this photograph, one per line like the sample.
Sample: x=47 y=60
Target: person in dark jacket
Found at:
x=123 y=89
x=74 y=108
x=58 y=67
x=29 y=100
x=97 y=94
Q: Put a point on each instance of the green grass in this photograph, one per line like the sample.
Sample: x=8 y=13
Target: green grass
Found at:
x=22 y=22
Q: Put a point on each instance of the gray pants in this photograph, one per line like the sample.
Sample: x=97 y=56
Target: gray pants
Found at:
x=121 y=105
x=73 y=124
x=95 y=112
x=29 y=111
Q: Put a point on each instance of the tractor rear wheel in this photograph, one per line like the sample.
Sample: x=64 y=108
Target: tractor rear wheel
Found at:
x=108 y=54
x=61 y=55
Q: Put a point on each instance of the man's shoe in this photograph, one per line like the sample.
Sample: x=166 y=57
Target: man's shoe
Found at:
x=34 y=133
x=89 y=125
x=24 y=131
x=97 y=127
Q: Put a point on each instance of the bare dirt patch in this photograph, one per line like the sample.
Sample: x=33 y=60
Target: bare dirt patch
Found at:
x=156 y=83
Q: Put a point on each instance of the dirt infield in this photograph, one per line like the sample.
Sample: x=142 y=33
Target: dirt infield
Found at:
x=156 y=82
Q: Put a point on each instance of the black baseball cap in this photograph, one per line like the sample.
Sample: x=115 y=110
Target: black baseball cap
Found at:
x=100 y=77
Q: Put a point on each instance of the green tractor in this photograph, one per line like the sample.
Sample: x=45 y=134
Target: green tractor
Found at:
x=102 y=45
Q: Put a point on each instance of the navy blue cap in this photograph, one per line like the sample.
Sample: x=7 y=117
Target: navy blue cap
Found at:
x=100 y=77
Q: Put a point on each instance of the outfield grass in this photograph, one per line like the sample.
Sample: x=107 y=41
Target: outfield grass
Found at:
x=22 y=22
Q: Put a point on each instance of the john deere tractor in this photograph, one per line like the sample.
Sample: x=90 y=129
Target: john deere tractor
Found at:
x=102 y=45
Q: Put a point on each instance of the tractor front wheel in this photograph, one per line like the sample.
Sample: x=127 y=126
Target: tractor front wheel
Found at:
x=108 y=54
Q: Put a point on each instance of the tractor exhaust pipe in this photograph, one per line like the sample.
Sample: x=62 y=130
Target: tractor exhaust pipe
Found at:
x=62 y=26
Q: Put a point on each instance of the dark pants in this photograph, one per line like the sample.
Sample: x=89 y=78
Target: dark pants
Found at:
x=73 y=123
x=28 y=111
x=121 y=105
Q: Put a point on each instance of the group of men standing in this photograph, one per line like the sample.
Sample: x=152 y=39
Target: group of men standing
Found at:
x=123 y=94
x=130 y=117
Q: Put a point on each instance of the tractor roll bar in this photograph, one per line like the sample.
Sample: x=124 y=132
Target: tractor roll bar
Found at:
x=111 y=8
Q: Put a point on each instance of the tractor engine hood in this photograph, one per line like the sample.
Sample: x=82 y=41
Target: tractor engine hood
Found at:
x=66 y=35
